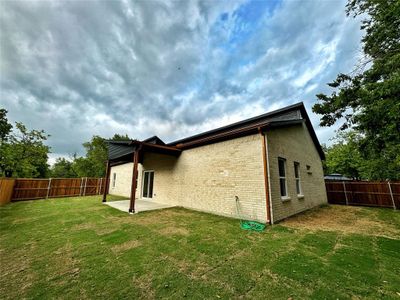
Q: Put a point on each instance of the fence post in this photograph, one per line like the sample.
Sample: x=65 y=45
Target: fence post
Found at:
x=48 y=188
x=391 y=196
x=84 y=190
x=345 y=193
x=101 y=181
x=80 y=189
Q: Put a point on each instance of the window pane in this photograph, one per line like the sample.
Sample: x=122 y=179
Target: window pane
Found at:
x=298 y=187
x=282 y=183
x=296 y=169
x=151 y=178
x=281 y=163
x=145 y=183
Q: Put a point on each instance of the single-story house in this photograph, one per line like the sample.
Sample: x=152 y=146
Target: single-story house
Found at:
x=271 y=162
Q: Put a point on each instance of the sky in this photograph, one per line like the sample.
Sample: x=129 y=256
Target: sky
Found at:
x=80 y=68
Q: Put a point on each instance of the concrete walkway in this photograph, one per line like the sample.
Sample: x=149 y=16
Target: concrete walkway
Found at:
x=140 y=205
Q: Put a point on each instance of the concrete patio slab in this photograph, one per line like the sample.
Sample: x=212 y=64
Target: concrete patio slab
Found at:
x=140 y=205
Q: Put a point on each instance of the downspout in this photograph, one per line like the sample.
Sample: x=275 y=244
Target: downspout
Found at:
x=269 y=180
x=266 y=177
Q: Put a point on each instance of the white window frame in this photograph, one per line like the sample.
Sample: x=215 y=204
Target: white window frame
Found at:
x=148 y=186
x=283 y=197
x=114 y=179
x=298 y=179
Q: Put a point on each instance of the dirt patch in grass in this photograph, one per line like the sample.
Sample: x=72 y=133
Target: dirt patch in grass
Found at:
x=22 y=220
x=83 y=226
x=144 y=284
x=126 y=246
x=346 y=219
x=105 y=230
x=64 y=264
x=163 y=216
x=98 y=229
x=195 y=270
x=172 y=230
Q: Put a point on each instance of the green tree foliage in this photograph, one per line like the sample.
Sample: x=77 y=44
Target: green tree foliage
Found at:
x=93 y=164
x=5 y=127
x=369 y=100
x=23 y=152
x=343 y=157
x=63 y=168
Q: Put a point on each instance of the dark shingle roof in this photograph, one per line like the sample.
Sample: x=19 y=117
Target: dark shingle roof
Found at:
x=287 y=116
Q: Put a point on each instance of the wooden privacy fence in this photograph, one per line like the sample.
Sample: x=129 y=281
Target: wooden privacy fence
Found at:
x=377 y=193
x=29 y=189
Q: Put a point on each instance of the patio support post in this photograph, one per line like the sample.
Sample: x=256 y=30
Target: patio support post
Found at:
x=107 y=183
x=134 y=180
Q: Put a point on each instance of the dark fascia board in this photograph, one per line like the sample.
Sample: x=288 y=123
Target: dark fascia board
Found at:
x=240 y=123
x=240 y=132
x=128 y=147
x=281 y=124
x=223 y=136
x=119 y=142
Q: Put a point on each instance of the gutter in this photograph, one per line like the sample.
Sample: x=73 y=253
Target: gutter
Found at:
x=266 y=174
x=269 y=181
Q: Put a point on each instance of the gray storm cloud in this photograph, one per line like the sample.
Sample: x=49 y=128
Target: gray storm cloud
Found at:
x=78 y=68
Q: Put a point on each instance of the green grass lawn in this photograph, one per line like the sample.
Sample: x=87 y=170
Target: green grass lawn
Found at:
x=78 y=248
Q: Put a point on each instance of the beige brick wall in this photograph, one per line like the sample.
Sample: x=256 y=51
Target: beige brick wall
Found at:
x=208 y=178
x=295 y=144
x=123 y=180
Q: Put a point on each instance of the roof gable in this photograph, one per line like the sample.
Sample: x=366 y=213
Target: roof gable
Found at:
x=154 y=140
x=286 y=116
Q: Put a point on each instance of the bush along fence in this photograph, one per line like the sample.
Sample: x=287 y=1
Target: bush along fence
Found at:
x=367 y=193
x=31 y=189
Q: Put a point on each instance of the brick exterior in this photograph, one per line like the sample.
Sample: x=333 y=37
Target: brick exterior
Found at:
x=123 y=180
x=295 y=145
x=208 y=178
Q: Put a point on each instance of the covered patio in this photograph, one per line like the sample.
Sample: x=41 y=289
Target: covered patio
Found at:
x=140 y=205
x=122 y=152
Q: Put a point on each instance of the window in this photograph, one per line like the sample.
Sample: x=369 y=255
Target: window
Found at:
x=148 y=178
x=282 y=176
x=114 y=179
x=297 y=178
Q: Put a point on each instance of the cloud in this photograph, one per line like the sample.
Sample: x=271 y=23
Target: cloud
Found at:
x=79 y=68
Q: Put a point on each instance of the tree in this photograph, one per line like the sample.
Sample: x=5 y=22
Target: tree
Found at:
x=24 y=154
x=343 y=157
x=62 y=168
x=93 y=164
x=368 y=100
x=5 y=127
